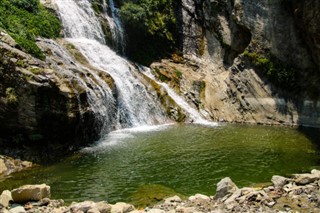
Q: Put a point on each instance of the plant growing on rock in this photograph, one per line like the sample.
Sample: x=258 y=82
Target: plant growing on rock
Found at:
x=151 y=25
x=279 y=73
x=25 y=20
x=11 y=96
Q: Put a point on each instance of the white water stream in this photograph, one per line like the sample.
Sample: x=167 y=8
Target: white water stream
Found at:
x=135 y=105
x=116 y=28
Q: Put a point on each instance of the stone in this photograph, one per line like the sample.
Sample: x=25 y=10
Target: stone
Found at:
x=315 y=171
x=30 y=193
x=103 y=207
x=234 y=196
x=5 y=198
x=225 y=187
x=174 y=199
x=93 y=210
x=156 y=211
x=198 y=197
x=121 y=207
x=186 y=209
x=18 y=209
x=304 y=179
x=3 y=167
x=270 y=204
x=278 y=181
x=83 y=206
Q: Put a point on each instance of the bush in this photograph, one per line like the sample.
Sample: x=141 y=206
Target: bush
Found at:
x=151 y=28
x=280 y=74
x=28 y=5
x=25 y=20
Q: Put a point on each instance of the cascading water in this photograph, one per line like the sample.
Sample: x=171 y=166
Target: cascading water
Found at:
x=194 y=115
x=136 y=107
x=115 y=24
x=79 y=78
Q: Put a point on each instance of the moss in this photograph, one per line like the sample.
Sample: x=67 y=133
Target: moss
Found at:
x=281 y=74
x=178 y=74
x=11 y=96
x=161 y=77
x=20 y=63
x=36 y=70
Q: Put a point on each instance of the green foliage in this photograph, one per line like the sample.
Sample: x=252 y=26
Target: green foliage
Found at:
x=178 y=73
x=277 y=72
x=29 y=5
x=11 y=96
x=151 y=24
x=25 y=20
x=29 y=46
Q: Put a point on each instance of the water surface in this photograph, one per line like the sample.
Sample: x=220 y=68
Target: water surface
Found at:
x=186 y=159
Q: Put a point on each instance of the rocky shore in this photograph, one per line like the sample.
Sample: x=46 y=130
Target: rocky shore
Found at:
x=298 y=193
x=9 y=165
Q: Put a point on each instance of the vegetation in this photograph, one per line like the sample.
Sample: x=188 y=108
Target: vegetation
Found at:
x=25 y=20
x=280 y=74
x=11 y=96
x=152 y=25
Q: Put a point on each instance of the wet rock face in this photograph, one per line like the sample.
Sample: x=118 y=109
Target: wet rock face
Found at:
x=41 y=116
x=217 y=33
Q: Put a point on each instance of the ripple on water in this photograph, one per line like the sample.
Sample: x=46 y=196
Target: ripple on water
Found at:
x=188 y=159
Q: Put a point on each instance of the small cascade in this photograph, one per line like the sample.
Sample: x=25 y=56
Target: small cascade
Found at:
x=193 y=114
x=135 y=106
x=116 y=28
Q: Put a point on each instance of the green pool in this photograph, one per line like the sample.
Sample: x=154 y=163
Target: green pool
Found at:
x=184 y=159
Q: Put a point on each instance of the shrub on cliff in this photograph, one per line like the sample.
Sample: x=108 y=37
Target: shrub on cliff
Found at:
x=150 y=27
x=25 y=20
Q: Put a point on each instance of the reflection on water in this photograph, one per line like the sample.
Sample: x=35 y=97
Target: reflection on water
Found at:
x=188 y=159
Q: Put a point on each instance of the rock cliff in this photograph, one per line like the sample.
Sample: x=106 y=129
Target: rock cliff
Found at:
x=44 y=107
x=258 y=61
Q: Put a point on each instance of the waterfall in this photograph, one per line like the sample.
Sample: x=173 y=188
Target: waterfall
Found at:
x=135 y=106
x=194 y=115
x=116 y=27
x=79 y=12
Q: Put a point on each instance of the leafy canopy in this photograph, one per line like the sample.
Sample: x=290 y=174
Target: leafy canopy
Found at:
x=25 y=20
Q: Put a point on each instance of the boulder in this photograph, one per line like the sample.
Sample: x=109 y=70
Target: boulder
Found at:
x=18 y=209
x=3 y=167
x=174 y=199
x=121 y=208
x=198 y=197
x=156 y=211
x=225 y=187
x=103 y=207
x=234 y=196
x=303 y=179
x=5 y=198
x=278 y=181
x=30 y=193
x=83 y=206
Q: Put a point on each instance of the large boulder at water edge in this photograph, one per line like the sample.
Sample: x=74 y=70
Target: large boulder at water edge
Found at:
x=279 y=181
x=225 y=187
x=5 y=198
x=30 y=193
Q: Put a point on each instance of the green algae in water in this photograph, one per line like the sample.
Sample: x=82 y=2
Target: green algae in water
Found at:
x=187 y=159
x=150 y=194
